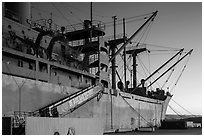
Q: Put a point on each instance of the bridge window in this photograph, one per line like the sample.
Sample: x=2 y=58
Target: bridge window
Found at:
x=43 y=67
x=55 y=73
x=105 y=83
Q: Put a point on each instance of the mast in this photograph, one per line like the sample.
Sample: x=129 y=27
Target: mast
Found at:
x=134 y=53
x=134 y=71
x=124 y=53
x=113 y=48
x=91 y=14
x=128 y=41
x=91 y=21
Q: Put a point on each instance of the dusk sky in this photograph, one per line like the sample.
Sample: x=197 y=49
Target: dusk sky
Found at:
x=177 y=25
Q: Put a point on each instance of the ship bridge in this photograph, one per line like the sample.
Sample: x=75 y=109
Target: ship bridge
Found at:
x=73 y=32
x=85 y=30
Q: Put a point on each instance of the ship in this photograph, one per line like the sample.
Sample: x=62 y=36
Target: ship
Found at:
x=62 y=79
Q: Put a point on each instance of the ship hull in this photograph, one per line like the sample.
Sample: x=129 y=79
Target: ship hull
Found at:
x=120 y=111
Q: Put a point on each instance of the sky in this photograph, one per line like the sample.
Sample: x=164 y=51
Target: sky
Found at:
x=177 y=25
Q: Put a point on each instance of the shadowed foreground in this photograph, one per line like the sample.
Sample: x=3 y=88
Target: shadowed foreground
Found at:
x=190 y=131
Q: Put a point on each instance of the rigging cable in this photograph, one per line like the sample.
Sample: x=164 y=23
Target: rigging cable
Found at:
x=154 y=45
x=119 y=23
x=78 y=9
x=63 y=16
x=126 y=66
x=148 y=52
x=121 y=63
x=142 y=35
x=143 y=66
x=103 y=16
x=148 y=32
x=44 y=11
x=175 y=112
x=139 y=39
x=136 y=111
x=180 y=74
x=183 y=108
x=129 y=58
x=147 y=70
x=72 y=13
x=167 y=80
x=121 y=68
x=137 y=16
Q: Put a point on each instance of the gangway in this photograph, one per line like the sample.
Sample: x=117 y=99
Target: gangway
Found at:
x=69 y=103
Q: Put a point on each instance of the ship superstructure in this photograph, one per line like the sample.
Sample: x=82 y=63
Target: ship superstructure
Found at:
x=52 y=73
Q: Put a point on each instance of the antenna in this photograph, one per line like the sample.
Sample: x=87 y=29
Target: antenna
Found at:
x=91 y=21
x=91 y=14
x=51 y=15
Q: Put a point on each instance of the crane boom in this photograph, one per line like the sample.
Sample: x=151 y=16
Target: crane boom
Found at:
x=128 y=41
x=180 y=51
x=171 y=67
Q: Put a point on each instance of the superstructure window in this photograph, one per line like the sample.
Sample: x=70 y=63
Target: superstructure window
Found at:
x=43 y=67
x=20 y=63
x=30 y=65
x=55 y=73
